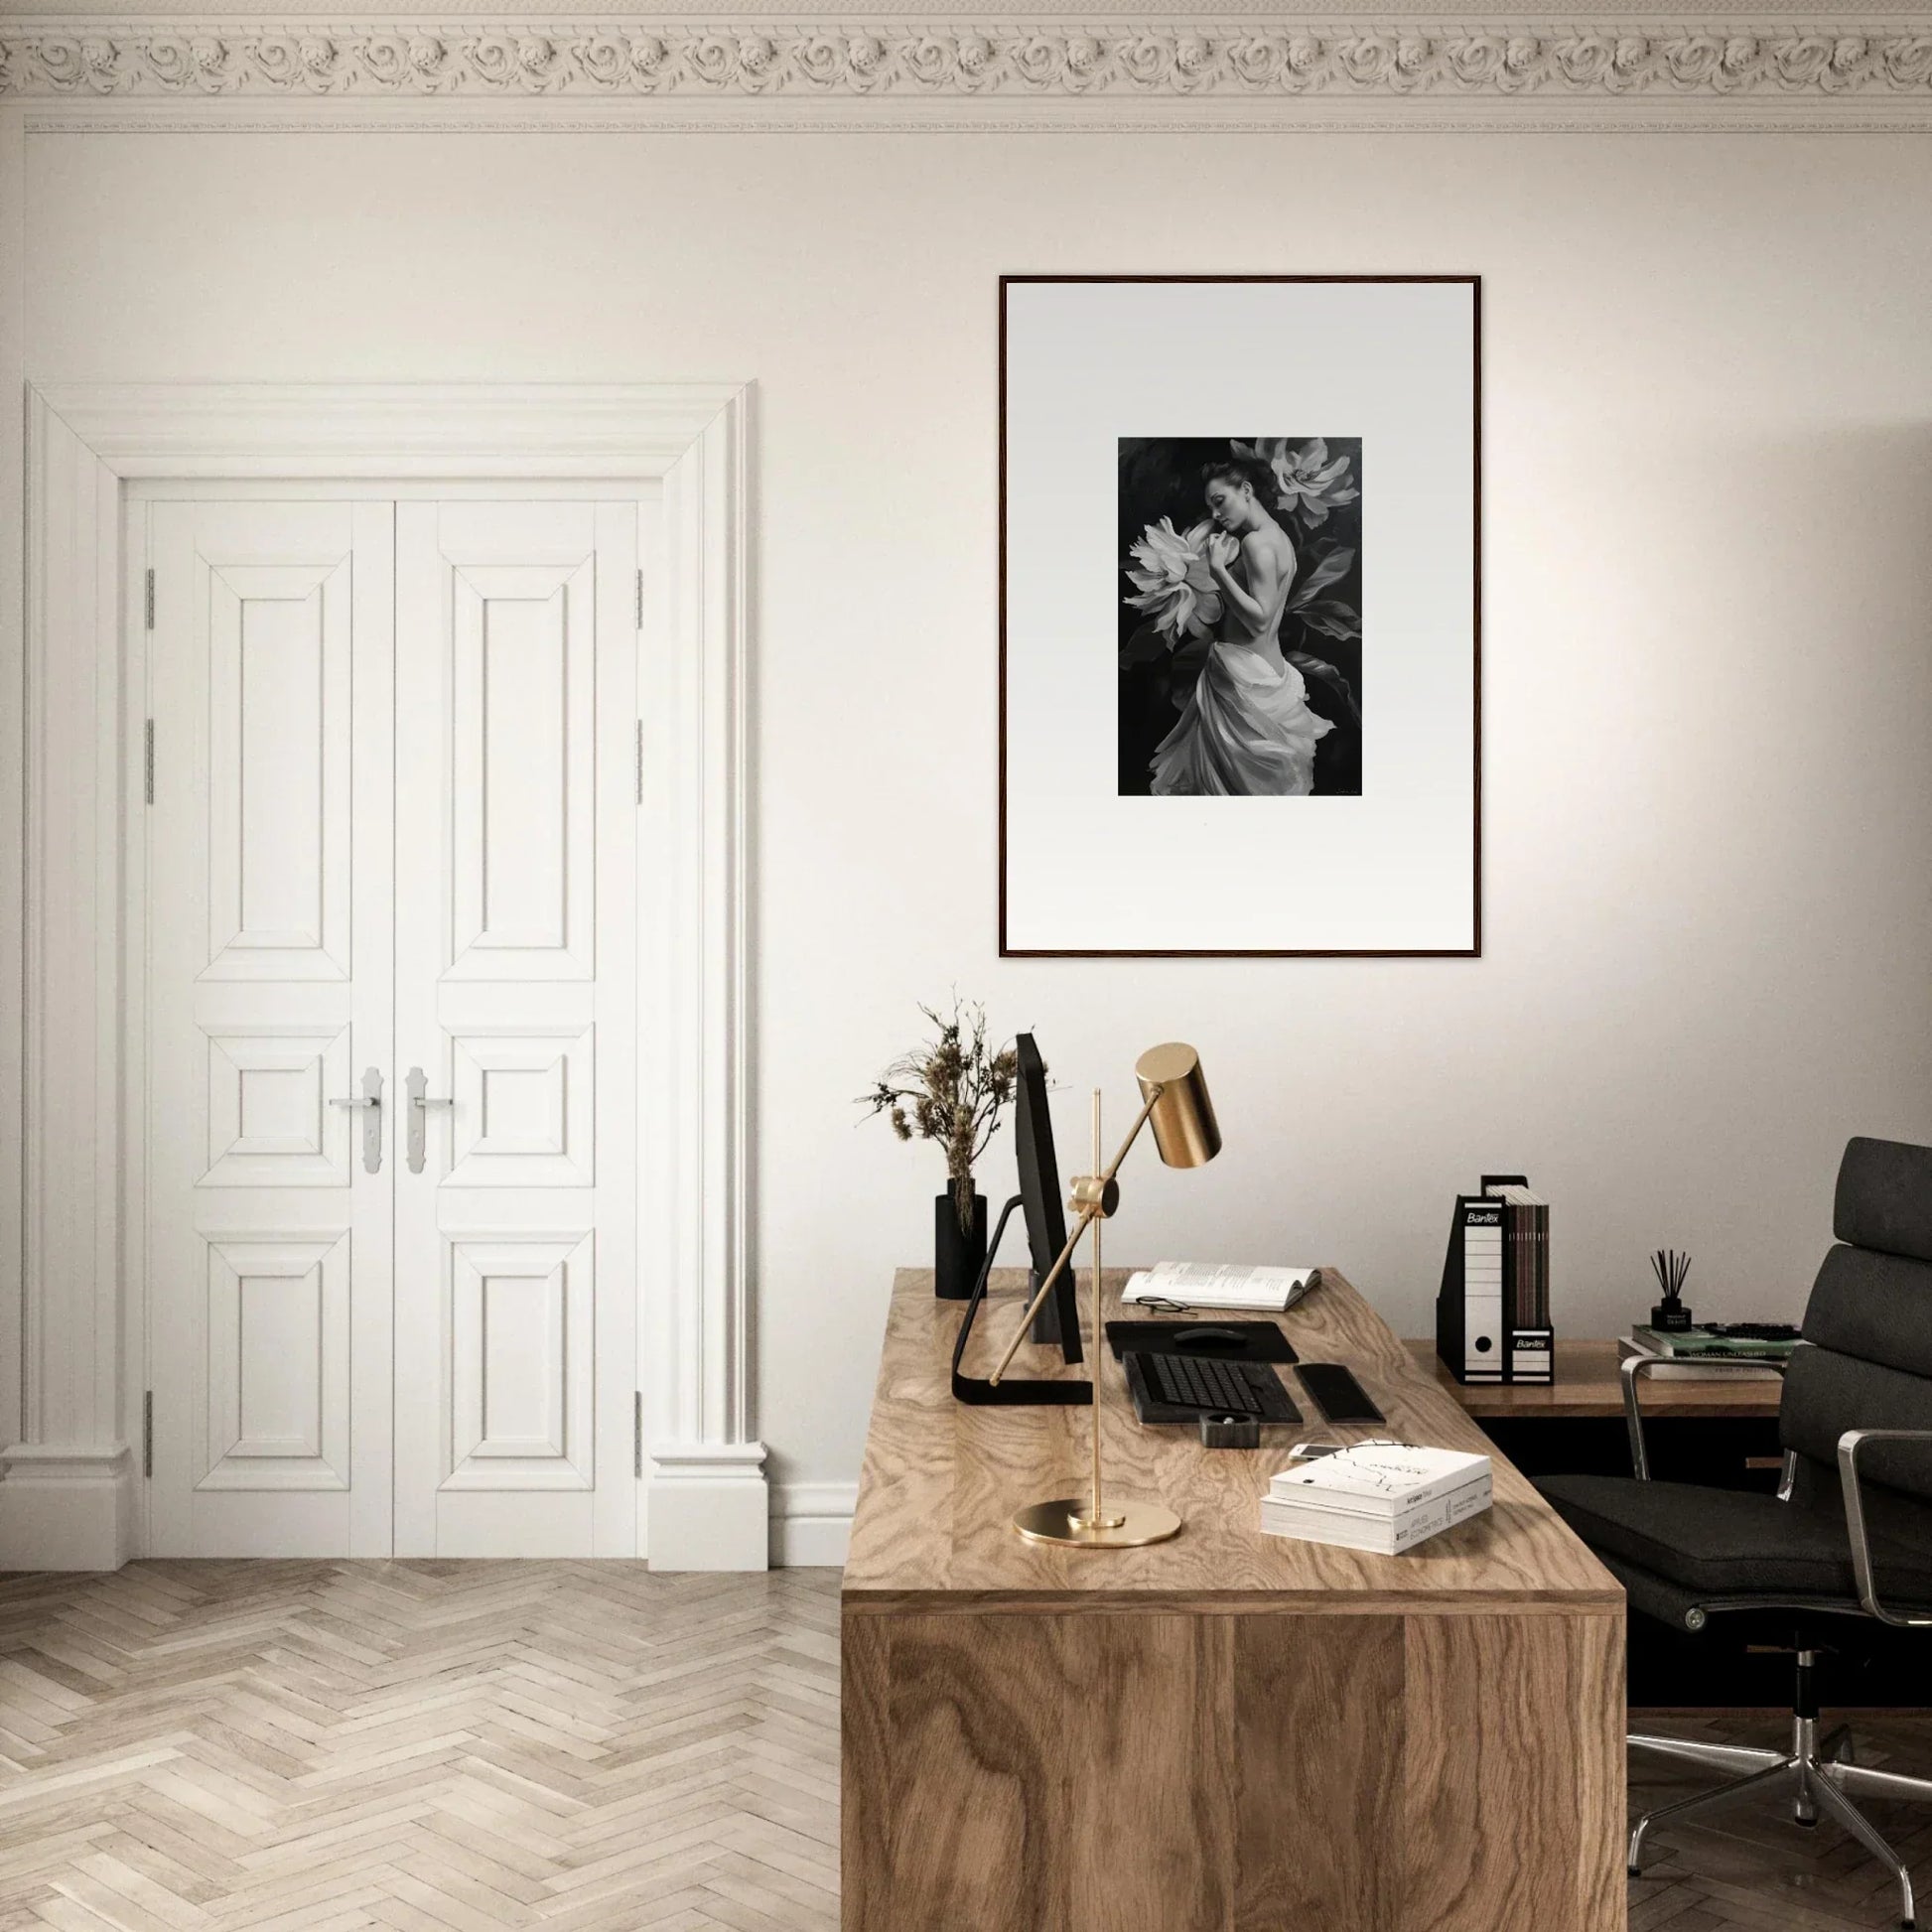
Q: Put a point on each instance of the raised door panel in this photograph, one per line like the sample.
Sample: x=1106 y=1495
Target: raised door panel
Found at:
x=524 y=1111
x=279 y=640
x=270 y=994
x=517 y=982
x=522 y=895
x=523 y=1318
x=270 y=1118
x=278 y=1394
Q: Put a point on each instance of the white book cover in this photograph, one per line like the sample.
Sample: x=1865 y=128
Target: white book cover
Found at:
x=1213 y=1285
x=1388 y=1534
x=1381 y=1478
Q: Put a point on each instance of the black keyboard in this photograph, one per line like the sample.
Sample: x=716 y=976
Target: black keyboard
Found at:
x=1215 y=1388
x=1753 y=1331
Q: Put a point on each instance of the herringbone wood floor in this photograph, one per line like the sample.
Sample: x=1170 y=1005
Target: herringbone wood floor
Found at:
x=314 y=1747
x=463 y=1748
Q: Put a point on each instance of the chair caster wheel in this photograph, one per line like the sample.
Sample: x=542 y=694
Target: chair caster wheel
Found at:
x=1633 y=1872
x=1810 y=1824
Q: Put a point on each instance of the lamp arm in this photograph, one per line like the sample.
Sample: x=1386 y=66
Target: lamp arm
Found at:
x=1133 y=1133
x=1088 y=1215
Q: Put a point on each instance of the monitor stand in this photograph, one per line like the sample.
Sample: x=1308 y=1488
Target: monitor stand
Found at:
x=1011 y=1391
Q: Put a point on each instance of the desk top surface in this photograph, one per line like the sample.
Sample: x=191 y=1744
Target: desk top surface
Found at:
x=1587 y=1385
x=941 y=1481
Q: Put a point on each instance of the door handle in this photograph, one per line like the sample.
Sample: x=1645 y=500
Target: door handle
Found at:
x=420 y=1102
x=370 y=1101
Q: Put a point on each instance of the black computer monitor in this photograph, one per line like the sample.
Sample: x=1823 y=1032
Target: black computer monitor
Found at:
x=1038 y=1200
x=1040 y=1196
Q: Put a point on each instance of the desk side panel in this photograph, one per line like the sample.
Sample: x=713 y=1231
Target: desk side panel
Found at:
x=1160 y=1773
x=1513 y=1780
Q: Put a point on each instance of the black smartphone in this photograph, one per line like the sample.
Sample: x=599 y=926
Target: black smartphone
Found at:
x=1338 y=1394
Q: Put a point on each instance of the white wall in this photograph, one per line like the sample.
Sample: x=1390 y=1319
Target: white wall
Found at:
x=1707 y=802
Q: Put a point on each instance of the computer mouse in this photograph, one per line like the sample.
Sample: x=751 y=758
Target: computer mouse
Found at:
x=1209 y=1339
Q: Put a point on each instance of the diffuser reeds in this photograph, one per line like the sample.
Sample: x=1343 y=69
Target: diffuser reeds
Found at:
x=1670 y=1268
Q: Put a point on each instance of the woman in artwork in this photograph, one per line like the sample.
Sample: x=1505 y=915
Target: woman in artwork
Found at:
x=1246 y=729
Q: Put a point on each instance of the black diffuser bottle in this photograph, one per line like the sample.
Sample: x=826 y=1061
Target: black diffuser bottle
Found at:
x=1670 y=1316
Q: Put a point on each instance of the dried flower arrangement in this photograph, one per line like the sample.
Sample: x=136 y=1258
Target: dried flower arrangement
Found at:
x=951 y=1090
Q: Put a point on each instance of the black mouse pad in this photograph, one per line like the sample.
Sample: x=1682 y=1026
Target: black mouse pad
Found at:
x=1214 y=1341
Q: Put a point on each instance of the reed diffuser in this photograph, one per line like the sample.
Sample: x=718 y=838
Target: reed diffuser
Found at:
x=1670 y=1315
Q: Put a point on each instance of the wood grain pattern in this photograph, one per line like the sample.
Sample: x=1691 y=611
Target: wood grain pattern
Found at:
x=1512 y=1779
x=941 y=1481
x=1150 y=1794
x=1587 y=1385
x=1319 y=1733
x=1147 y=1772
x=866 y=1846
x=976 y=1775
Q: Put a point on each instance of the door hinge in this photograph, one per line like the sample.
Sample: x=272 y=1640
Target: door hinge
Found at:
x=638 y=1434
x=147 y=762
x=641 y=597
x=150 y=599
x=640 y=761
x=147 y=1434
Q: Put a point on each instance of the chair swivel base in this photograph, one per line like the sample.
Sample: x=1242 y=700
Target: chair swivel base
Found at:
x=1817 y=1774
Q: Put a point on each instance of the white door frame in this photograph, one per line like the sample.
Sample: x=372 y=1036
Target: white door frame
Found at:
x=68 y=1496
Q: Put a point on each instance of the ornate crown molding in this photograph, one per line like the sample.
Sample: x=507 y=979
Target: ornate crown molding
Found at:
x=1251 y=67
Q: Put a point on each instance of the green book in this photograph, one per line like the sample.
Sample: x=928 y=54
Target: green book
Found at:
x=1700 y=1342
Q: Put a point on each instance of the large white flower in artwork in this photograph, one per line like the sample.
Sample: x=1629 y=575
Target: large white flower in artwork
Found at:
x=1169 y=568
x=1307 y=482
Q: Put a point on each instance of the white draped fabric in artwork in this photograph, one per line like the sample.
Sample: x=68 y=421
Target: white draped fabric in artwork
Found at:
x=1247 y=732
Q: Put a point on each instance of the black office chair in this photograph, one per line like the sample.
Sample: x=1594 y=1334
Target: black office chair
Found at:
x=1846 y=1540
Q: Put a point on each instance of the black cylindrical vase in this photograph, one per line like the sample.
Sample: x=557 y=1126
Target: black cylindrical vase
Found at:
x=957 y=1256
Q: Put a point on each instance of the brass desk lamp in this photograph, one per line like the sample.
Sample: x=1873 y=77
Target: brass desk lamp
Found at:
x=1176 y=1103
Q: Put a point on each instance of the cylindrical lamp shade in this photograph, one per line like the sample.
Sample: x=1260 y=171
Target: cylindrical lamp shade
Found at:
x=1184 y=1128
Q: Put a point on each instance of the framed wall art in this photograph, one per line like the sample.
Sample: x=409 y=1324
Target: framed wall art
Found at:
x=1240 y=615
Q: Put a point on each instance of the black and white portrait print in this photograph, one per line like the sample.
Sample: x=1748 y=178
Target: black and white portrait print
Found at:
x=1240 y=626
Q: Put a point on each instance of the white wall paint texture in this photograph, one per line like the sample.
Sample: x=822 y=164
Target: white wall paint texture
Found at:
x=1708 y=642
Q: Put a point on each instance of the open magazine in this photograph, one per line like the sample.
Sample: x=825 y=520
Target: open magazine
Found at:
x=1211 y=1285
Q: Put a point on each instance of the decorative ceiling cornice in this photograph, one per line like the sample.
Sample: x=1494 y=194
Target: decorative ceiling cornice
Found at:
x=1256 y=70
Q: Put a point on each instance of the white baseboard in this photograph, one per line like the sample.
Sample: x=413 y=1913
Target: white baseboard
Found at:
x=66 y=1508
x=812 y=1524
x=709 y=1507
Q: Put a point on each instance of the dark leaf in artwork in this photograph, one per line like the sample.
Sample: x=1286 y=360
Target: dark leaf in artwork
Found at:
x=1332 y=618
x=1186 y=670
x=1332 y=567
x=1336 y=687
x=1147 y=645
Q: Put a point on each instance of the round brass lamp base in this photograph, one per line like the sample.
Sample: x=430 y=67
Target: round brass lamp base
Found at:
x=1129 y=1526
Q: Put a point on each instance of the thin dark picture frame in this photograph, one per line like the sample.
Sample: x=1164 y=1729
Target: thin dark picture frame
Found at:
x=1474 y=950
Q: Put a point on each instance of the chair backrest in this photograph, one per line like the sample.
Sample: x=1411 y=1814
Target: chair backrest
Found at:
x=1869 y=1326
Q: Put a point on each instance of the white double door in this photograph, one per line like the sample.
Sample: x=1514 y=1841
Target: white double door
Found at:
x=391 y=1037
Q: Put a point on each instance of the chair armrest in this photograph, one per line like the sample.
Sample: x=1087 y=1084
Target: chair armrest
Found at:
x=1633 y=1367
x=1848 y=1446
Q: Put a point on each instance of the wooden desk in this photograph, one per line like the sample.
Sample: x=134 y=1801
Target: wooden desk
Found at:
x=1587 y=1385
x=1227 y=1733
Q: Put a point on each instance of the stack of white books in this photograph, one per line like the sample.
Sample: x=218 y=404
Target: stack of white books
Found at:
x=1211 y=1285
x=1380 y=1496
